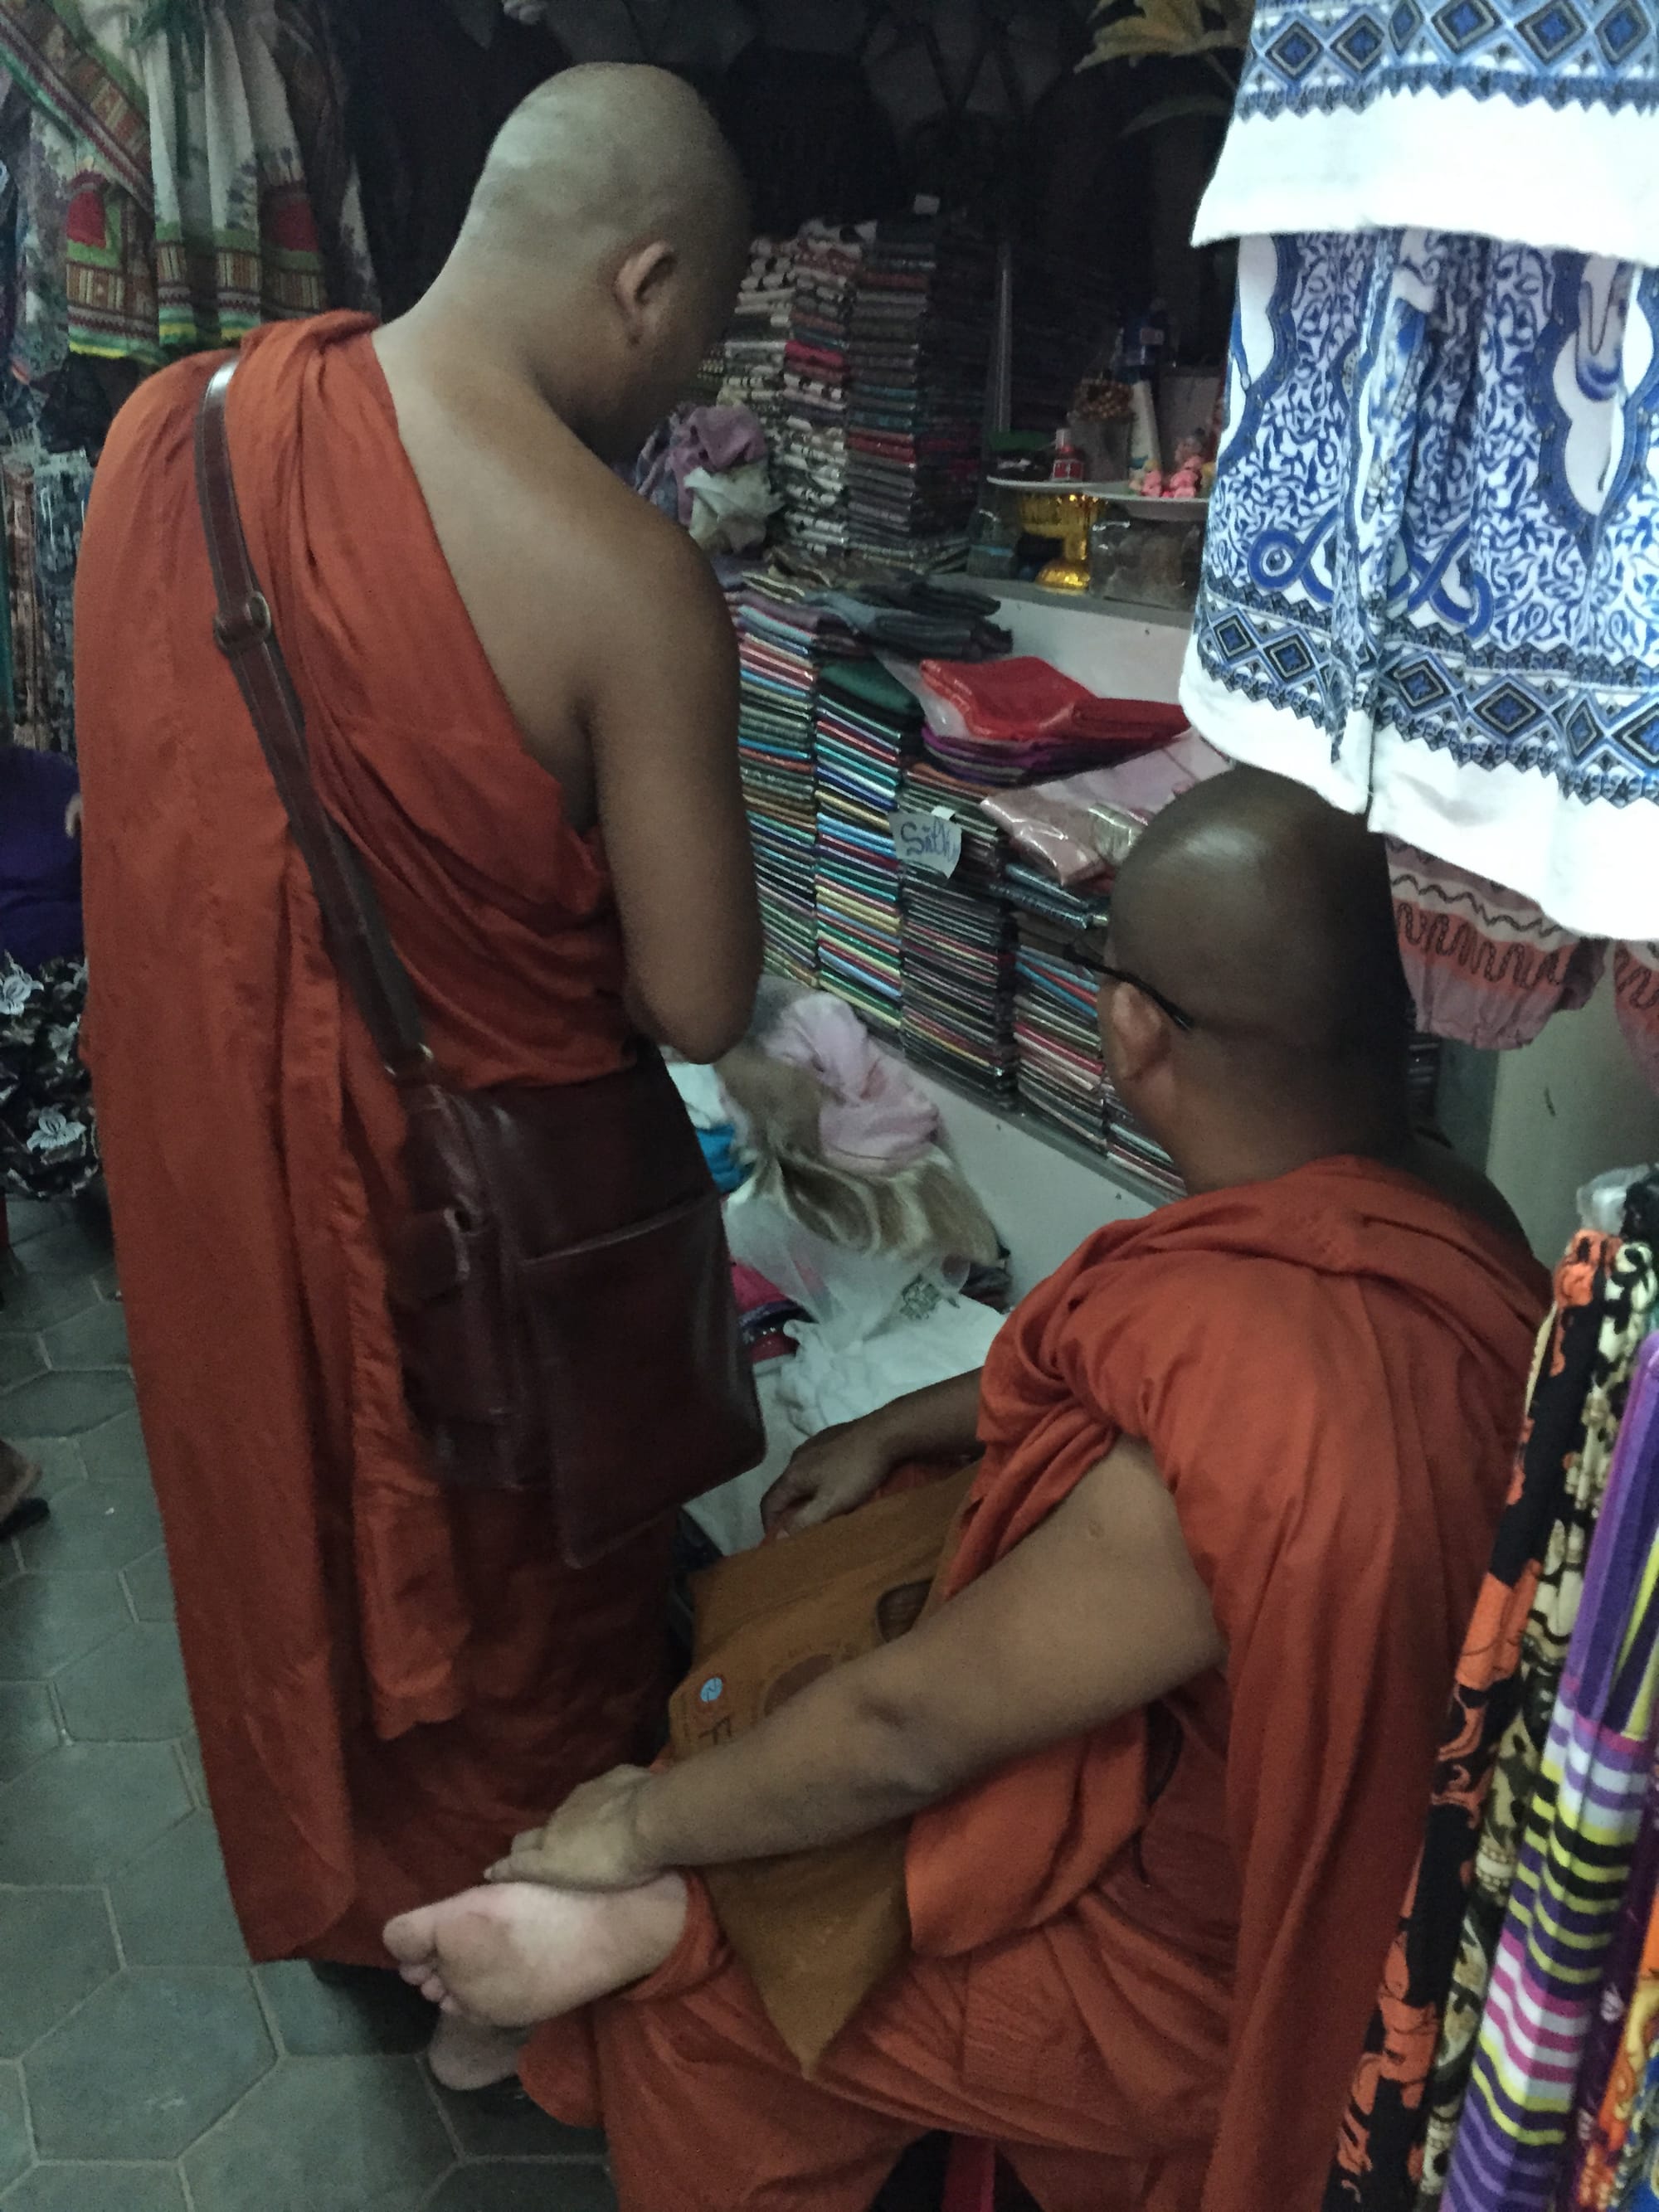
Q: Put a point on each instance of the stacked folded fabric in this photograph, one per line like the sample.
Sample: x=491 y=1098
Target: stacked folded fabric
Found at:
x=758 y=337
x=1061 y=1072
x=781 y=644
x=1077 y=906
x=866 y=728
x=1423 y=1076
x=810 y=466
x=995 y=724
x=958 y=957
x=920 y=335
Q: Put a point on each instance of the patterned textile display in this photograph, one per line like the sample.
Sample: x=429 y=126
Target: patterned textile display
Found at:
x=62 y=483
x=1504 y=118
x=1428 y=571
x=1616 y=2051
x=168 y=205
x=1575 y=1862
x=31 y=718
x=1504 y=1688
x=1636 y=987
x=48 y=1143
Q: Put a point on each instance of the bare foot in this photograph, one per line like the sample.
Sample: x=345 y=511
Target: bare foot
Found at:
x=463 y=2055
x=517 y=1953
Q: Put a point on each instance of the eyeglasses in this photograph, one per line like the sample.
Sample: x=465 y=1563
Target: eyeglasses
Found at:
x=1182 y=1020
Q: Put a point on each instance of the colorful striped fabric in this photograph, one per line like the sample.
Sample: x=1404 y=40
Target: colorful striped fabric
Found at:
x=1575 y=1862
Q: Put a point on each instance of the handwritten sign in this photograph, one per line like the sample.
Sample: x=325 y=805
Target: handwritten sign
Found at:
x=931 y=841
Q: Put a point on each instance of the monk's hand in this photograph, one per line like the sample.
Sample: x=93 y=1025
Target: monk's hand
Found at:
x=592 y=1841
x=835 y=1473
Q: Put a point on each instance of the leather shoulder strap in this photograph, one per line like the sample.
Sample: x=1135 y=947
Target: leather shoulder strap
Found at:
x=358 y=937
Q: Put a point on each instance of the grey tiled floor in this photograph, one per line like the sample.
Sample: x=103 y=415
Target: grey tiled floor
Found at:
x=145 y=2065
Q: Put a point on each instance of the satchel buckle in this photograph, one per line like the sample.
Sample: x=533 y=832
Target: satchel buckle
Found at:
x=246 y=626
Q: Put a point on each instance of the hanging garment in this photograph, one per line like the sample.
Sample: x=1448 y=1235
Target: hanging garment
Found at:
x=1611 y=2068
x=1486 y=966
x=175 y=212
x=1575 y=1861
x=1499 y=117
x=1428 y=574
x=1623 y=2133
x=31 y=723
x=1199 y=1998
x=389 y=1677
x=48 y=1141
x=61 y=484
x=1410 y=2081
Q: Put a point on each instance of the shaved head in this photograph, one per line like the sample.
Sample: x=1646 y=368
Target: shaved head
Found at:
x=600 y=258
x=603 y=161
x=1268 y=915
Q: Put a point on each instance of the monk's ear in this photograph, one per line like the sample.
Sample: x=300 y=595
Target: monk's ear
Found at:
x=1134 y=1033
x=642 y=284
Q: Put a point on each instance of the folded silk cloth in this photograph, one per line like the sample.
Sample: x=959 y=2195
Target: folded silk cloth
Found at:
x=1083 y=826
x=1025 y=699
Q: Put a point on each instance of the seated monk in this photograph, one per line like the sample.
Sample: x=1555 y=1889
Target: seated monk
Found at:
x=1163 y=1737
x=520 y=686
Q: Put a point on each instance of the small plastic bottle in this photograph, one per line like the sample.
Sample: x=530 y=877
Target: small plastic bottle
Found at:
x=1067 y=466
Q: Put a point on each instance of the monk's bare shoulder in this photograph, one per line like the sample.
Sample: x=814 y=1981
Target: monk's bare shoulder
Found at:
x=557 y=561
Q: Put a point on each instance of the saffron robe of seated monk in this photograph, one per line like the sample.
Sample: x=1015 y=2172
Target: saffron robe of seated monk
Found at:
x=388 y=1679
x=1144 y=1960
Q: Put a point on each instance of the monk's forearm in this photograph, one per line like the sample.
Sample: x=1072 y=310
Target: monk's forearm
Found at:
x=941 y=1422
x=835 y=1764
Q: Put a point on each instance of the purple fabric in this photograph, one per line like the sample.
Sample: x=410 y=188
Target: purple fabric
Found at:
x=40 y=865
x=712 y=438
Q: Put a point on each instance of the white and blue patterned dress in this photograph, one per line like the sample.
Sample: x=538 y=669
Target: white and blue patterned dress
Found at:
x=1432 y=576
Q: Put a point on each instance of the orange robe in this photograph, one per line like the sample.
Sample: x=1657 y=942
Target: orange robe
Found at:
x=389 y=1679
x=1143 y=1960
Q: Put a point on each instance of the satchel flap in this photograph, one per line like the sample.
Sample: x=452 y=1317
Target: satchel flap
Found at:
x=429 y=1257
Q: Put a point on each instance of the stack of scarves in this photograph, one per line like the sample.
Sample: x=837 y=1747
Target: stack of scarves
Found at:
x=1507 y=2065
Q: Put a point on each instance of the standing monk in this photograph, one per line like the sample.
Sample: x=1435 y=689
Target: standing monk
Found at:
x=520 y=687
x=1164 y=1747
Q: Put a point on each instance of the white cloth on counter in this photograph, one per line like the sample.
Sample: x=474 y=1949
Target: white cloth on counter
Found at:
x=935 y=1335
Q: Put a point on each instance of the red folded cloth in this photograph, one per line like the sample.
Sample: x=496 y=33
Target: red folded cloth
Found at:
x=1025 y=698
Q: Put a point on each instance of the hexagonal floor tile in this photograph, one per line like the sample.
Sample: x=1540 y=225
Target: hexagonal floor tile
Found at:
x=361 y=2015
x=325 y=2134
x=130 y=1690
x=95 y=1524
x=58 y=1459
x=149 y=1586
x=15 y=2148
x=54 y=1405
x=87 y=1810
x=96 y=1338
x=32 y=1217
x=173 y=1906
x=19 y=1358
x=116 y=1450
x=38 y=1301
x=28 y=1726
x=506 y=2121
x=56 y=1949
x=98 y=2189
x=524 y=2185
x=77 y=1247
x=47 y=1620
x=170 y=2052
x=189 y=1748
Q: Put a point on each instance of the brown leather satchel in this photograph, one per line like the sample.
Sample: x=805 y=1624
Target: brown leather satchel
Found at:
x=561 y=1290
